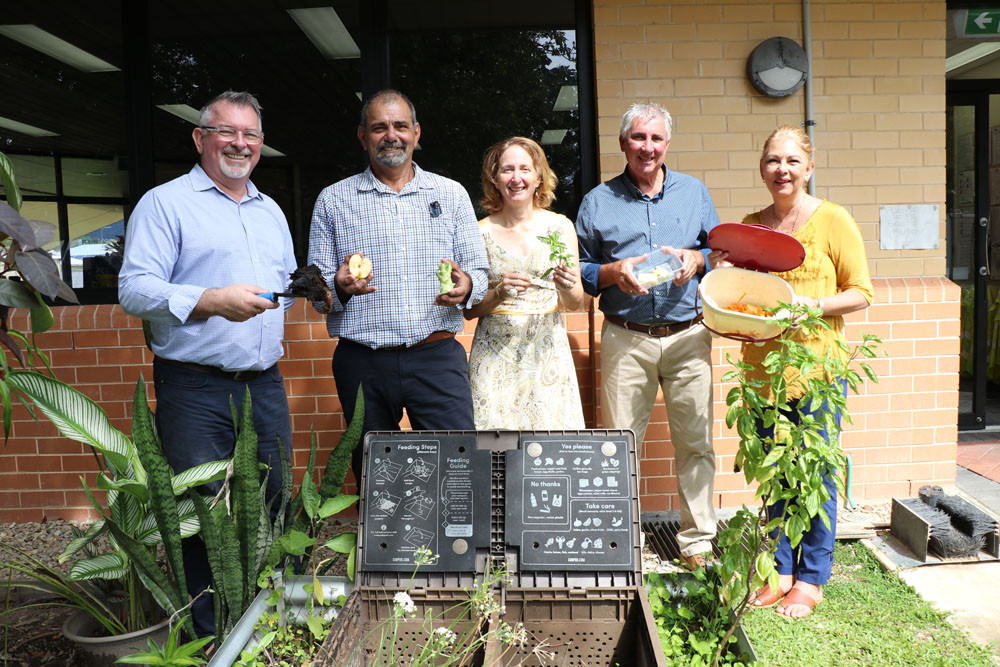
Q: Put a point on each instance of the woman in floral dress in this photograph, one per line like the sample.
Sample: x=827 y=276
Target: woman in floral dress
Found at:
x=521 y=367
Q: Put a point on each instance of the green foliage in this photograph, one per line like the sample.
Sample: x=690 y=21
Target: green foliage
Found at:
x=128 y=577
x=558 y=252
x=243 y=542
x=170 y=654
x=789 y=464
x=80 y=594
x=689 y=619
x=27 y=272
x=285 y=638
x=870 y=617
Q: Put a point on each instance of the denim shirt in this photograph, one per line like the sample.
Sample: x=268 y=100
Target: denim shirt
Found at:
x=617 y=221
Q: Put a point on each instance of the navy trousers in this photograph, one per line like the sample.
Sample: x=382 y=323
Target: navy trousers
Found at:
x=196 y=426
x=431 y=381
x=812 y=560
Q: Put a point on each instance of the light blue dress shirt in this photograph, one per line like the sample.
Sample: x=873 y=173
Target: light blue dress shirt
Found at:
x=187 y=236
x=617 y=221
x=405 y=234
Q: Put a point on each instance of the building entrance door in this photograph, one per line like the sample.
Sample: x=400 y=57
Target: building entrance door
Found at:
x=973 y=159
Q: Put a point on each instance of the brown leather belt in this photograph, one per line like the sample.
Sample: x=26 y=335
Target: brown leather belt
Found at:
x=435 y=336
x=237 y=376
x=654 y=330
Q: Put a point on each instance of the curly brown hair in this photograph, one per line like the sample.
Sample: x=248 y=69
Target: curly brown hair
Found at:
x=545 y=193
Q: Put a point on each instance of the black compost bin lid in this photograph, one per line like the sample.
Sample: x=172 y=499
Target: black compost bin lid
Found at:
x=757 y=247
x=559 y=508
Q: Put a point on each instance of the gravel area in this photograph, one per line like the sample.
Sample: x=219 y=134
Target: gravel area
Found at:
x=45 y=541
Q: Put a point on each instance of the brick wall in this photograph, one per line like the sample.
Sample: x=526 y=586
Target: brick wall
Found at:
x=903 y=435
x=100 y=350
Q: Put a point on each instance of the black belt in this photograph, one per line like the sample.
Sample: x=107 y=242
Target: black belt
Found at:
x=238 y=376
x=433 y=337
x=654 y=330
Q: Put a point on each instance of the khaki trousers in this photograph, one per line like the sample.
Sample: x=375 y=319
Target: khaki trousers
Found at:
x=633 y=365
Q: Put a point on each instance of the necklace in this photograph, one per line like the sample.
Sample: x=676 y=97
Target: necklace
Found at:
x=795 y=221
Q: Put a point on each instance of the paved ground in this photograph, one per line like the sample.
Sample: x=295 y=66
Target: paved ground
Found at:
x=971 y=591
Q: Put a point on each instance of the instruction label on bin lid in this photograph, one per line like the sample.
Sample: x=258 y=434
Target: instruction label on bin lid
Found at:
x=569 y=502
x=428 y=492
x=757 y=247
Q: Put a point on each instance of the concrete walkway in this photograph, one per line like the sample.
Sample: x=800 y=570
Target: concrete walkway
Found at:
x=969 y=591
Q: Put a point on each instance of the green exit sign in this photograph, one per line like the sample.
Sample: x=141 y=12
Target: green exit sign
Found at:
x=982 y=22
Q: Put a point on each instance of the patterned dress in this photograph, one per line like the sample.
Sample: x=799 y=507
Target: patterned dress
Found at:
x=521 y=367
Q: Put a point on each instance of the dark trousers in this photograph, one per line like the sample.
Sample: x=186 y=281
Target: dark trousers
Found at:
x=812 y=560
x=196 y=426
x=431 y=381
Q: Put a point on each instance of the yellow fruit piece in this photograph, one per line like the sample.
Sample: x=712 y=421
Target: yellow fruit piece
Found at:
x=359 y=266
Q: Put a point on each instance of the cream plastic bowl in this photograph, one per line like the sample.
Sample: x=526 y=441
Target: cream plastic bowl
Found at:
x=728 y=285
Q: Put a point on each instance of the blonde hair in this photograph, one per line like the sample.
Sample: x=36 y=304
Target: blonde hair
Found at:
x=545 y=193
x=793 y=132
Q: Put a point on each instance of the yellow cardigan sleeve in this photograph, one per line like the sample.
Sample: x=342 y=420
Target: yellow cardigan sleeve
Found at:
x=847 y=250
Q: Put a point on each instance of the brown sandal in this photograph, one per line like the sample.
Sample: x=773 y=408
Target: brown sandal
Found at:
x=798 y=597
x=765 y=598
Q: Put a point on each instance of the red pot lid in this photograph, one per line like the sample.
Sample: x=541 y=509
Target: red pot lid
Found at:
x=757 y=247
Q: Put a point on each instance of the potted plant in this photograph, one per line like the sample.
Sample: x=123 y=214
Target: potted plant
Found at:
x=245 y=621
x=123 y=590
x=698 y=614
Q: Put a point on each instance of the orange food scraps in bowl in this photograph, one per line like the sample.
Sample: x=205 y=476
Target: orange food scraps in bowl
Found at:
x=747 y=308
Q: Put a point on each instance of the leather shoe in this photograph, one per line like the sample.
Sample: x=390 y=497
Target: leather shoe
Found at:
x=694 y=561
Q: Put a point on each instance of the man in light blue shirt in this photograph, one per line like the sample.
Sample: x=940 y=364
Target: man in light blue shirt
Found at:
x=198 y=250
x=651 y=338
x=396 y=331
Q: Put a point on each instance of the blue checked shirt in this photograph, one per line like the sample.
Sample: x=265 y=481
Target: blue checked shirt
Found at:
x=187 y=236
x=405 y=234
x=617 y=221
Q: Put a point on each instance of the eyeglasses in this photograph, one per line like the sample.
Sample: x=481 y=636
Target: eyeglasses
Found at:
x=229 y=133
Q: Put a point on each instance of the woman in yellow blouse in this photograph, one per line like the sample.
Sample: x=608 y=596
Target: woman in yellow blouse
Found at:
x=834 y=278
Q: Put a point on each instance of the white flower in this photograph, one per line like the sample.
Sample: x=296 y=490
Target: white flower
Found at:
x=445 y=635
x=404 y=603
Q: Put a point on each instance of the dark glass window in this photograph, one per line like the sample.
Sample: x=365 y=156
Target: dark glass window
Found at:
x=309 y=97
x=62 y=123
x=479 y=73
x=476 y=71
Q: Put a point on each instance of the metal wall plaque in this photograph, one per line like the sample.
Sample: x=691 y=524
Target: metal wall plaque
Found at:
x=909 y=227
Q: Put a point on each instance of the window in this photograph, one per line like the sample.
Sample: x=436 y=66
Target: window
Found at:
x=79 y=137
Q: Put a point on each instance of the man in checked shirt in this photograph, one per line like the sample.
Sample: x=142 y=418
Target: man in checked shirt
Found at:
x=650 y=337
x=397 y=333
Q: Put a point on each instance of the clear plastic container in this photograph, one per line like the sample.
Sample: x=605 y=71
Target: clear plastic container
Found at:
x=659 y=268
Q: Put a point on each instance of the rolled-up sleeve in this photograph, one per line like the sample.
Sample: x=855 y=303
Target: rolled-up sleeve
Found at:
x=323 y=251
x=470 y=253
x=590 y=258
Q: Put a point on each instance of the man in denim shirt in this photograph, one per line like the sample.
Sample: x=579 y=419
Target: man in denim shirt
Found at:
x=397 y=333
x=650 y=338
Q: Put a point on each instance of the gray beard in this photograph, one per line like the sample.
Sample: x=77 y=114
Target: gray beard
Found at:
x=393 y=160
x=231 y=172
